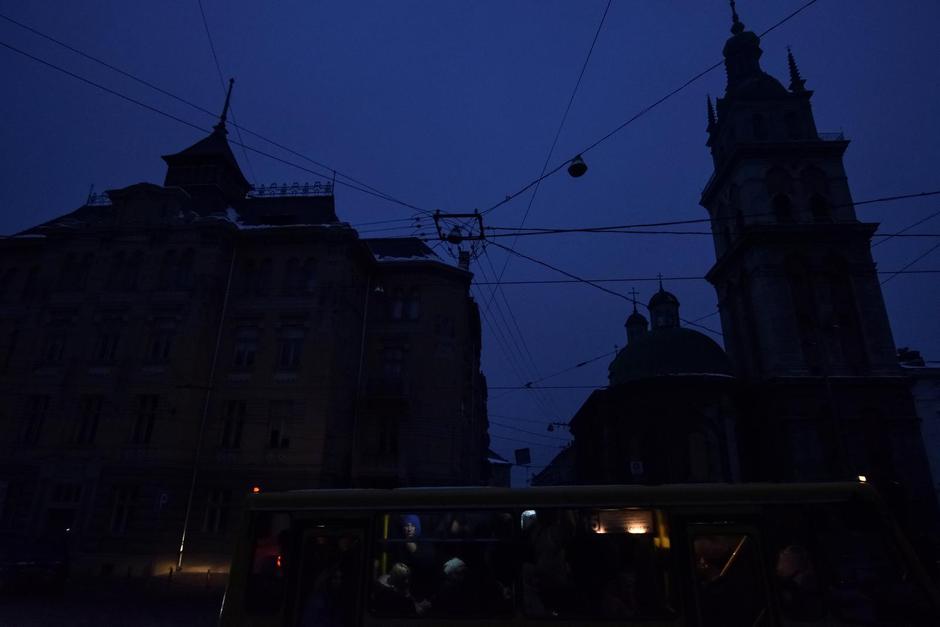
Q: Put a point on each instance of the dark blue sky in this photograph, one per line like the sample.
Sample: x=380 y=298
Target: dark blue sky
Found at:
x=452 y=105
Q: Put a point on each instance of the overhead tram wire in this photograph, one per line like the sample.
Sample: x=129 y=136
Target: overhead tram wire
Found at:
x=574 y=367
x=911 y=263
x=213 y=114
x=502 y=425
x=643 y=112
x=595 y=285
x=201 y=129
x=525 y=347
x=519 y=348
x=218 y=68
x=907 y=228
x=559 y=230
x=551 y=149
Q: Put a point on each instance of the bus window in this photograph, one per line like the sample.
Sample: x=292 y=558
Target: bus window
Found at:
x=269 y=556
x=444 y=564
x=839 y=562
x=729 y=579
x=595 y=564
x=330 y=567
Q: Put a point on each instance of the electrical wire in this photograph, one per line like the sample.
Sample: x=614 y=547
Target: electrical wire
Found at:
x=357 y=184
x=218 y=67
x=597 y=286
x=551 y=149
x=642 y=112
x=915 y=260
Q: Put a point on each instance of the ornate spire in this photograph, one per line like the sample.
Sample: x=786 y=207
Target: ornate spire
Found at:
x=736 y=26
x=220 y=127
x=796 y=81
x=712 y=121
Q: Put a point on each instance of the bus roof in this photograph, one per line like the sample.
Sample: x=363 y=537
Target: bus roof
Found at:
x=585 y=496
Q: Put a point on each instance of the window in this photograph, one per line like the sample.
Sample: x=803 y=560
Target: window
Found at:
x=146 y=416
x=783 y=208
x=310 y=275
x=729 y=580
x=263 y=285
x=392 y=363
x=293 y=277
x=10 y=348
x=280 y=414
x=106 y=345
x=289 y=348
x=53 y=346
x=267 y=577
x=246 y=347
x=397 y=304
x=819 y=207
x=413 y=306
x=444 y=564
x=116 y=271
x=88 y=417
x=36 y=408
x=122 y=512
x=595 y=564
x=833 y=563
x=232 y=423
x=217 y=511
x=161 y=342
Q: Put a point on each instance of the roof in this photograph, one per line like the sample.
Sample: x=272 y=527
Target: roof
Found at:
x=392 y=249
x=611 y=495
x=669 y=351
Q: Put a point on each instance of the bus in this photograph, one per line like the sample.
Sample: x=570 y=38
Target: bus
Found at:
x=711 y=555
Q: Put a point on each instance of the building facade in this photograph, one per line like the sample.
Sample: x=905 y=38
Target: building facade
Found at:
x=170 y=348
x=802 y=312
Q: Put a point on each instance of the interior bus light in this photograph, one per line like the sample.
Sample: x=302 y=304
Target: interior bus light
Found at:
x=278 y=561
x=256 y=489
x=862 y=478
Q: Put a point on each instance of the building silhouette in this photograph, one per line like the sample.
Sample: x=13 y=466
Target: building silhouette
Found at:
x=167 y=349
x=808 y=387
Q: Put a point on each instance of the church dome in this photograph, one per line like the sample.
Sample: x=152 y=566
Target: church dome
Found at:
x=667 y=352
x=662 y=297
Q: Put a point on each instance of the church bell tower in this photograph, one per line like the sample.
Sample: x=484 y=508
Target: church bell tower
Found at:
x=802 y=312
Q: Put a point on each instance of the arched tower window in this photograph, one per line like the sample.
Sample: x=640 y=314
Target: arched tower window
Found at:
x=783 y=208
x=819 y=207
x=816 y=187
x=804 y=309
x=845 y=323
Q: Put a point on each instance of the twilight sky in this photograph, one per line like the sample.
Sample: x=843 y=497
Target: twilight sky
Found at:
x=453 y=105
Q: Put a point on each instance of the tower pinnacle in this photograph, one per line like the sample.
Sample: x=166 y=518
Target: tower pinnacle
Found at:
x=797 y=82
x=220 y=127
x=736 y=26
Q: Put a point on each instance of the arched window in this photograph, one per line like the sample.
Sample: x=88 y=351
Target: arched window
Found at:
x=759 y=127
x=804 y=310
x=819 y=207
x=792 y=122
x=783 y=208
x=845 y=322
x=263 y=283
